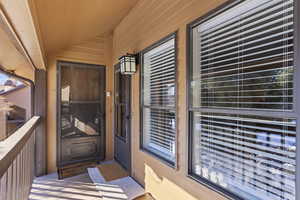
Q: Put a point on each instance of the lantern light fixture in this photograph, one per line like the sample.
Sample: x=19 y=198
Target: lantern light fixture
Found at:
x=128 y=64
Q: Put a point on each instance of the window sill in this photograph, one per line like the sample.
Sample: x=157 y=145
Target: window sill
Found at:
x=159 y=158
x=213 y=187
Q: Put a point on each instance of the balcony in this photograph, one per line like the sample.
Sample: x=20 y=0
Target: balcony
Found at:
x=17 y=159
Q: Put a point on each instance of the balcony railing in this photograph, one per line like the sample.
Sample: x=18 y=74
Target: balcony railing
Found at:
x=17 y=162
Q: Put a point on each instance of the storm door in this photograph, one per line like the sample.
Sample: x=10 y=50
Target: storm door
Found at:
x=81 y=113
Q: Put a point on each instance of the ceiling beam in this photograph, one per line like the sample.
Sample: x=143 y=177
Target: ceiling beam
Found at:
x=6 y=25
x=32 y=11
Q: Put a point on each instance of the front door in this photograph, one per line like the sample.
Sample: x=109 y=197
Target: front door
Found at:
x=122 y=118
x=81 y=113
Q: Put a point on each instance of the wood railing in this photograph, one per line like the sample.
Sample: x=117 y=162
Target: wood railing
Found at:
x=17 y=162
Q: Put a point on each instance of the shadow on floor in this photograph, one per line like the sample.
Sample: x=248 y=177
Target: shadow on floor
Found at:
x=74 y=188
x=78 y=187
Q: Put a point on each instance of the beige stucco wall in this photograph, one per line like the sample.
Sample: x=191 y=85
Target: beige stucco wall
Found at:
x=96 y=51
x=148 y=22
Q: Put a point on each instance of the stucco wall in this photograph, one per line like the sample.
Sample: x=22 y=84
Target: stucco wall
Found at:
x=148 y=22
x=96 y=51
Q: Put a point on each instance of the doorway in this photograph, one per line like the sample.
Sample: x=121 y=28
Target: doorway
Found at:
x=122 y=119
x=81 y=113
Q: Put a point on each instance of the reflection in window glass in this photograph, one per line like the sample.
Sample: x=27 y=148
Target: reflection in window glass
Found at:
x=250 y=155
x=15 y=104
x=242 y=120
x=159 y=116
x=81 y=114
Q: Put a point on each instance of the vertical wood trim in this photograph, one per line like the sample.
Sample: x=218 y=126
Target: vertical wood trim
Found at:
x=40 y=107
x=22 y=175
x=14 y=179
x=3 y=186
x=18 y=174
x=9 y=183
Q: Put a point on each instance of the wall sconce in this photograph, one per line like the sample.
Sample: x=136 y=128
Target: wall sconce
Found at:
x=128 y=64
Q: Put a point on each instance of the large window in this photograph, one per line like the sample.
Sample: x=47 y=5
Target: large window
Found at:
x=15 y=103
x=242 y=108
x=158 y=99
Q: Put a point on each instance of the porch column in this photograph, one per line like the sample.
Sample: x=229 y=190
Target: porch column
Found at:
x=40 y=106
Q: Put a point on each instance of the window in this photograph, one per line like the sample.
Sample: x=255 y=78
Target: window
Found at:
x=158 y=105
x=15 y=103
x=122 y=104
x=242 y=108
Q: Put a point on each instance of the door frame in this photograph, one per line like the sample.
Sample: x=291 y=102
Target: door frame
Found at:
x=129 y=134
x=59 y=63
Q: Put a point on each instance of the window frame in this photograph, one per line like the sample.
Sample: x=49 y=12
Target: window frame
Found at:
x=294 y=113
x=165 y=39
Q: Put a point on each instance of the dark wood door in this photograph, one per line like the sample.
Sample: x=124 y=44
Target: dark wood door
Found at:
x=81 y=113
x=122 y=118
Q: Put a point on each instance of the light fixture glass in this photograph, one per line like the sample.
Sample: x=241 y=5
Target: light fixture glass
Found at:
x=128 y=64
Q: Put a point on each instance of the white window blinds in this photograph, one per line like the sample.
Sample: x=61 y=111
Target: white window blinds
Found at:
x=243 y=60
x=246 y=57
x=159 y=86
x=250 y=155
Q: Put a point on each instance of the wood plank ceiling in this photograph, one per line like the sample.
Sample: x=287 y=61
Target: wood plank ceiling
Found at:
x=31 y=30
x=64 y=23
